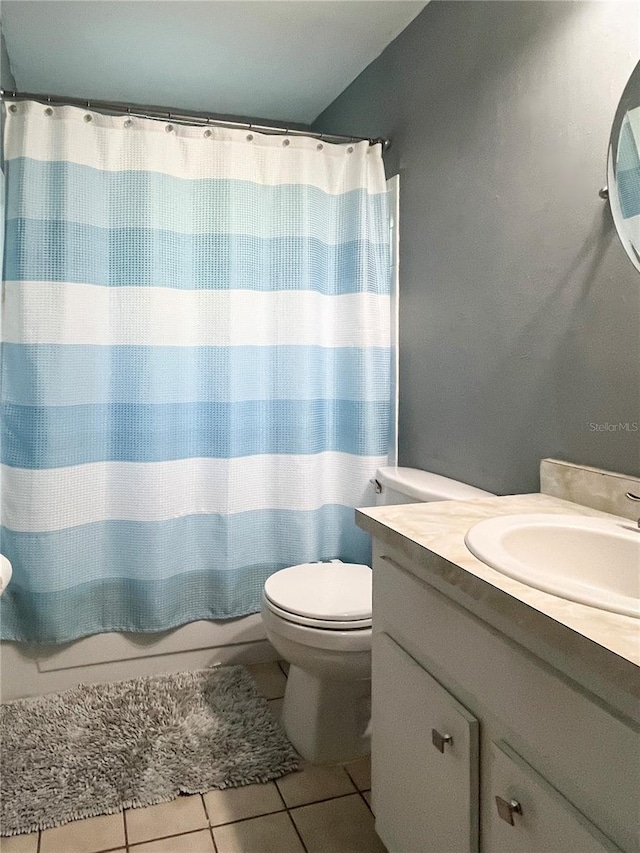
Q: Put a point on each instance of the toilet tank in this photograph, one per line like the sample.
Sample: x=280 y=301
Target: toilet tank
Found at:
x=410 y=486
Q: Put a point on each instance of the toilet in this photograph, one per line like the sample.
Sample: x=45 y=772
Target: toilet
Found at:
x=318 y=618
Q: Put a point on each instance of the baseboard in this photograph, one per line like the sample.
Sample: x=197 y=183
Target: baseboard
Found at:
x=34 y=671
x=107 y=648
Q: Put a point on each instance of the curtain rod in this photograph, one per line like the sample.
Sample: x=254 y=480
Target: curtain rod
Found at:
x=194 y=118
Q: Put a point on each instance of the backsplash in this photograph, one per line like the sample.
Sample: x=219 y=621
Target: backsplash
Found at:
x=581 y=484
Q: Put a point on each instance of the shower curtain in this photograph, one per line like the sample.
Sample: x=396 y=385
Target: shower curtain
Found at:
x=195 y=366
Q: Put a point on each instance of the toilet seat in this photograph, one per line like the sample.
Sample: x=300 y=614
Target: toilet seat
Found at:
x=316 y=641
x=327 y=624
x=332 y=596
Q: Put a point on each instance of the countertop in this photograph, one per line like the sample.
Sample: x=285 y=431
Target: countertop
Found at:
x=601 y=649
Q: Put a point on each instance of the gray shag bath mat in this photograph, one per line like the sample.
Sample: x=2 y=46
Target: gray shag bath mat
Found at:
x=98 y=749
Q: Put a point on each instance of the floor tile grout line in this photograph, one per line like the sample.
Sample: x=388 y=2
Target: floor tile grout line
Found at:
x=366 y=802
x=204 y=806
x=297 y=831
x=353 y=782
x=324 y=800
x=211 y=825
x=206 y=811
x=358 y=788
x=284 y=804
x=285 y=808
x=213 y=839
x=126 y=829
x=160 y=838
x=102 y=849
x=328 y=800
x=163 y=838
x=251 y=817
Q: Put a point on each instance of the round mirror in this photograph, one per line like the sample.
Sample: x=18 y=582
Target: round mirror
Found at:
x=623 y=168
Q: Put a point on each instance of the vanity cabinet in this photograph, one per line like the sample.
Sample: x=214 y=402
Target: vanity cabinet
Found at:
x=565 y=769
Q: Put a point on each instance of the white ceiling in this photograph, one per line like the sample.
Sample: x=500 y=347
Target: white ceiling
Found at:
x=284 y=60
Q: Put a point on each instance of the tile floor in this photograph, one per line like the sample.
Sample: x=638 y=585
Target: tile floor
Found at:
x=318 y=810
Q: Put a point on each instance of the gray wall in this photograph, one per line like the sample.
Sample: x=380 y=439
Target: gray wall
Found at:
x=6 y=77
x=7 y=82
x=520 y=313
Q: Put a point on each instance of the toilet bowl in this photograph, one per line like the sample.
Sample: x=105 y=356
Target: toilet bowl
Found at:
x=318 y=618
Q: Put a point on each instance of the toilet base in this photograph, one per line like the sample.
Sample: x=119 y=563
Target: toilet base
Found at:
x=327 y=721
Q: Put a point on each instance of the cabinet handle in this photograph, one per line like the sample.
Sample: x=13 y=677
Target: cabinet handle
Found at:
x=507 y=809
x=439 y=741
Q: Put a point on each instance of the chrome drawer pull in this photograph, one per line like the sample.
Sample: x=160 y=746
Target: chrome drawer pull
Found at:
x=507 y=809
x=439 y=741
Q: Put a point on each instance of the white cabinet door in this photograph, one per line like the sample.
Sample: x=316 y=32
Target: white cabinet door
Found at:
x=530 y=816
x=424 y=759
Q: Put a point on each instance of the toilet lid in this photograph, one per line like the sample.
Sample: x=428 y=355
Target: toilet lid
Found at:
x=339 y=592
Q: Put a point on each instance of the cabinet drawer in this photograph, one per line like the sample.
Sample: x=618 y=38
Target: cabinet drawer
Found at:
x=424 y=759
x=530 y=816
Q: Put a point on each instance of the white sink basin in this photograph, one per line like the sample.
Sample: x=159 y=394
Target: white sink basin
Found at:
x=592 y=561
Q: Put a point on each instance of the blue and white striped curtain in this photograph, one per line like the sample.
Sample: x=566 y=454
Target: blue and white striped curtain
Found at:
x=195 y=367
